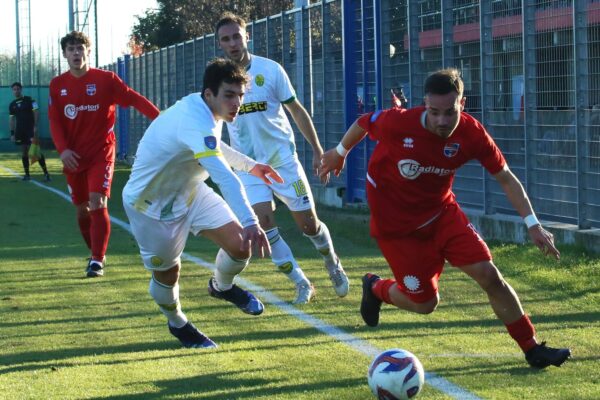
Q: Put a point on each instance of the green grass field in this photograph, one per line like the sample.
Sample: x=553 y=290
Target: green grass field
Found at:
x=66 y=337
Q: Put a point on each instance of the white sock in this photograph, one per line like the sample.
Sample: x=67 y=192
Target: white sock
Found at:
x=282 y=257
x=324 y=245
x=227 y=269
x=167 y=298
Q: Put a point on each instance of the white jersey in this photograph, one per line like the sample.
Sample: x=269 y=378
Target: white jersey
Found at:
x=166 y=173
x=261 y=130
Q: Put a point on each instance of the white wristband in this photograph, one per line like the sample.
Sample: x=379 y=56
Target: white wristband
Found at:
x=341 y=150
x=531 y=220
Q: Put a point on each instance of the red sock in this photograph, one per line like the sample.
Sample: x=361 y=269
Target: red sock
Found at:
x=84 y=228
x=100 y=232
x=381 y=289
x=523 y=332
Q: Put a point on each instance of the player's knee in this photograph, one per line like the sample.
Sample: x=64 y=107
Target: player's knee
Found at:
x=169 y=277
x=490 y=278
x=427 y=307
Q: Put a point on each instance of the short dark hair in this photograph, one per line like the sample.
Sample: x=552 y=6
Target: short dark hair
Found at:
x=221 y=70
x=75 y=37
x=17 y=84
x=444 y=81
x=229 y=18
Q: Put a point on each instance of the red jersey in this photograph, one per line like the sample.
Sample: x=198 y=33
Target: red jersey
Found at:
x=82 y=112
x=411 y=170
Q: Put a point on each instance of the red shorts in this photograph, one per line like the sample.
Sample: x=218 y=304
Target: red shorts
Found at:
x=96 y=178
x=417 y=260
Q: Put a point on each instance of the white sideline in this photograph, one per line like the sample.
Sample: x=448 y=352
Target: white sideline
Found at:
x=352 y=341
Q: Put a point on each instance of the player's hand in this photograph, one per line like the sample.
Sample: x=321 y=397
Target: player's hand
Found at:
x=332 y=161
x=254 y=238
x=70 y=159
x=544 y=241
x=264 y=172
x=316 y=164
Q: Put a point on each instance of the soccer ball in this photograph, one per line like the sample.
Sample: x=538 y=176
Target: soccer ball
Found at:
x=396 y=374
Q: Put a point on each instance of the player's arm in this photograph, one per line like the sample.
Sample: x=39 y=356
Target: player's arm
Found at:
x=68 y=157
x=127 y=97
x=242 y=162
x=334 y=159
x=234 y=194
x=307 y=128
x=36 y=117
x=517 y=196
x=12 y=125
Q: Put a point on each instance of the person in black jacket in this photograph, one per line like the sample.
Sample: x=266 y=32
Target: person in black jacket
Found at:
x=23 y=119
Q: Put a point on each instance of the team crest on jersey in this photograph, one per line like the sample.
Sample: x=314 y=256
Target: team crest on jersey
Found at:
x=63 y=92
x=451 y=149
x=409 y=143
x=210 y=142
x=259 y=79
x=90 y=89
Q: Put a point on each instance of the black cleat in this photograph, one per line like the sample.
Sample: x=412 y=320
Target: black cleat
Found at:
x=370 y=305
x=542 y=356
x=190 y=336
x=47 y=178
x=244 y=300
x=26 y=177
x=94 y=269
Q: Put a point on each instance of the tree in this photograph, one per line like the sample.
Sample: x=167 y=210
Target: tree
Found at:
x=176 y=21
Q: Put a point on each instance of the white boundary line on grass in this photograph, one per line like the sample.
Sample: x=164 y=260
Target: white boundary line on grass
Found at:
x=352 y=341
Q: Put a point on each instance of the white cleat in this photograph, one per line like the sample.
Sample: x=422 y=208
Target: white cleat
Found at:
x=305 y=292
x=339 y=280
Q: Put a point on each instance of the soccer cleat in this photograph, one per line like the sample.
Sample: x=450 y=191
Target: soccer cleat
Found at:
x=338 y=279
x=244 y=300
x=47 y=178
x=370 y=305
x=305 y=292
x=94 y=269
x=542 y=356
x=26 y=177
x=190 y=336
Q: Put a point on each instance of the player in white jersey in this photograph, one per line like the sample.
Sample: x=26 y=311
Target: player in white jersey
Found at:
x=166 y=197
x=262 y=131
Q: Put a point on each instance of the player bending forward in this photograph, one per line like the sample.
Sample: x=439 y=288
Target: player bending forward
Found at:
x=416 y=220
x=166 y=198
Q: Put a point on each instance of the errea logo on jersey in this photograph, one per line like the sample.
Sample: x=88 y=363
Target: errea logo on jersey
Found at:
x=409 y=143
x=72 y=110
x=411 y=169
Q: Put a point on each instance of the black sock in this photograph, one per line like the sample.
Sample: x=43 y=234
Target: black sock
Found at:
x=25 y=161
x=42 y=162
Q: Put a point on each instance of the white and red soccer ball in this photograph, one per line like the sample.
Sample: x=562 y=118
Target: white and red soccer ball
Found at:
x=396 y=374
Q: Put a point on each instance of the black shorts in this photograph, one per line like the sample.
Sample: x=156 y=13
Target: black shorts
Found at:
x=23 y=138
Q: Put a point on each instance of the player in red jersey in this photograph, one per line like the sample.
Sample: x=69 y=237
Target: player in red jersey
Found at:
x=82 y=117
x=416 y=220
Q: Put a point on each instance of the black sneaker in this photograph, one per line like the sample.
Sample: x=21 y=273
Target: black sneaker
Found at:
x=244 y=300
x=26 y=178
x=190 y=336
x=94 y=269
x=542 y=356
x=370 y=305
x=47 y=178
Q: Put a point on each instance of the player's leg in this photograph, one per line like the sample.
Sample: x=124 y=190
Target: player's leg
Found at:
x=42 y=162
x=296 y=194
x=25 y=159
x=261 y=197
x=416 y=266
x=210 y=216
x=99 y=178
x=78 y=189
x=161 y=244
x=467 y=250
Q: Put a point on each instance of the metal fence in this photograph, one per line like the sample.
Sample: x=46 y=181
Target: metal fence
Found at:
x=531 y=70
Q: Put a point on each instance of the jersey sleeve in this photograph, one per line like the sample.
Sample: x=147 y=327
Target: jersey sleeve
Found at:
x=127 y=97
x=57 y=130
x=489 y=155
x=285 y=90
x=11 y=108
x=377 y=123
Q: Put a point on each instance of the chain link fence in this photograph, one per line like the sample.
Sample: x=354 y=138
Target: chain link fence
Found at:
x=531 y=70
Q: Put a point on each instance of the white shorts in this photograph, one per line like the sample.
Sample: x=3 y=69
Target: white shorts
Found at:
x=294 y=192
x=161 y=242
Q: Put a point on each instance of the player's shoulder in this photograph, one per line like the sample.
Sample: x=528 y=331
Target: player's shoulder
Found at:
x=471 y=123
